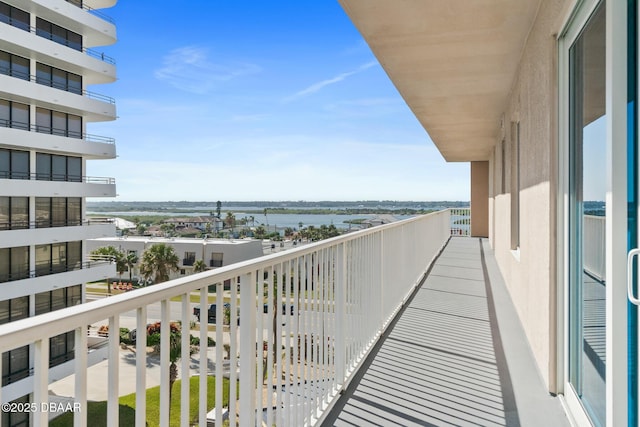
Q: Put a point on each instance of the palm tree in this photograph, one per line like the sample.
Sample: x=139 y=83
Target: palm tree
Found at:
x=131 y=260
x=265 y=217
x=199 y=266
x=159 y=260
x=116 y=256
x=230 y=220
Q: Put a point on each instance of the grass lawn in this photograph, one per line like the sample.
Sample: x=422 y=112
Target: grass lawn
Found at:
x=97 y=411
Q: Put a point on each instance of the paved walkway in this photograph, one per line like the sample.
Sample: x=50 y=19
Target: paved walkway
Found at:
x=443 y=361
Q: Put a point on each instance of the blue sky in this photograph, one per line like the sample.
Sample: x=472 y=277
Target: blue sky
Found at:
x=260 y=101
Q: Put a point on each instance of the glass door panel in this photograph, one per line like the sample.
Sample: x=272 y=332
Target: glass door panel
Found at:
x=587 y=189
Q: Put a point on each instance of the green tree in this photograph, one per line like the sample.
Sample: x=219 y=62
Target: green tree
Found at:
x=158 y=261
x=169 y=230
x=116 y=256
x=218 y=208
x=230 y=220
x=260 y=232
x=199 y=266
x=131 y=260
x=265 y=216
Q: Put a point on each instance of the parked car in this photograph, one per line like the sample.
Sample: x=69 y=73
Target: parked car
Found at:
x=265 y=309
x=211 y=312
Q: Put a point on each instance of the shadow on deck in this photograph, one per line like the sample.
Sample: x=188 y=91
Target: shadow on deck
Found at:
x=449 y=358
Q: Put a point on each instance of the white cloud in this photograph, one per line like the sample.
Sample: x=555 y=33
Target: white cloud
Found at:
x=321 y=84
x=190 y=69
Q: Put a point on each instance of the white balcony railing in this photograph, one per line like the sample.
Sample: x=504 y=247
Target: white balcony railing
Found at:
x=594 y=246
x=460 y=222
x=295 y=346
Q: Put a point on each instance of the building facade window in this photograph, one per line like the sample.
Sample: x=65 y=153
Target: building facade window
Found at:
x=216 y=259
x=14 y=213
x=61 y=347
x=14 y=263
x=52 y=167
x=57 y=123
x=15 y=17
x=58 y=257
x=14 y=164
x=58 y=34
x=15 y=363
x=14 y=66
x=59 y=79
x=58 y=299
x=16 y=419
x=189 y=258
x=14 y=115
x=57 y=212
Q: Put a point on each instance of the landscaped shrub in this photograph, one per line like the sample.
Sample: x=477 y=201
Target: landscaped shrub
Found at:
x=125 y=337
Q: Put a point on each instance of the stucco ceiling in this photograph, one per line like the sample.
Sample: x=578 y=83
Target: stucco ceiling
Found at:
x=453 y=62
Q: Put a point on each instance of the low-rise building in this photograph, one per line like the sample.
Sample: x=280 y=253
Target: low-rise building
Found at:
x=214 y=252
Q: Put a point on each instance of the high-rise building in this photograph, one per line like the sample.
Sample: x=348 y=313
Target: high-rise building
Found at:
x=47 y=63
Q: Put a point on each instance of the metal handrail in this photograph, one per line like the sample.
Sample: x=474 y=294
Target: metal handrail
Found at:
x=30 y=225
x=99 y=14
x=54 y=177
x=47 y=35
x=49 y=82
x=13 y=124
x=83 y=6
x=51 y=269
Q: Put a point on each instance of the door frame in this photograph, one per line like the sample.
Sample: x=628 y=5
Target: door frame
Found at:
x=616 y=209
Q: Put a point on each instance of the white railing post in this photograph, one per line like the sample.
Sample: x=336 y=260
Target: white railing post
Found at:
x=165 y=332
x=233 y=356
x=41 y=381
x=80 y=356
x=219 y=349
x=113 y=381
x=202 y=366
x=248 y=349
x=141 y=366
x=185 y=331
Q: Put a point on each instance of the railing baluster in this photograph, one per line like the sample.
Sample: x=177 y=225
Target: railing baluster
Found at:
x=272 y=303
x=287 y=358
x=113 y=388
x=141 y=366
x=165 y=348
x=202 y=366
x=260 y=338
x=185 y=357
x=233 y=350
x=248 y=348
x=220 y=315
x=293 y=418
x=279 y=290
x=80 y=355
x=41 y=380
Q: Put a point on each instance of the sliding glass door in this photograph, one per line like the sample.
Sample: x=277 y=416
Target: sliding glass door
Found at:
x=587 y=210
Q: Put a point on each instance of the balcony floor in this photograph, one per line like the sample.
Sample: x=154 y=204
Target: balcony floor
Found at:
x=451 y=358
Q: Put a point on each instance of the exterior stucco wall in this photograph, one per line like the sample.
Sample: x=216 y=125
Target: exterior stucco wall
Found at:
x=528 y=144
x=480 y=199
